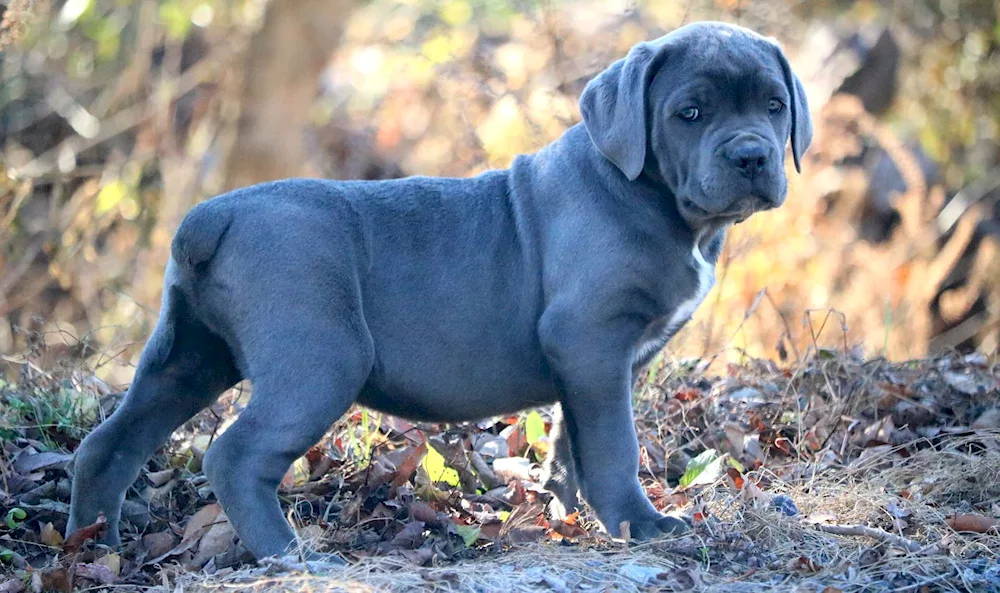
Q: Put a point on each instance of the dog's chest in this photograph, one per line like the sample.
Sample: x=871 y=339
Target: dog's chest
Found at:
x=659 y=332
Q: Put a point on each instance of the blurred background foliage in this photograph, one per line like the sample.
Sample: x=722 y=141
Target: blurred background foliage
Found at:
x=117 y=116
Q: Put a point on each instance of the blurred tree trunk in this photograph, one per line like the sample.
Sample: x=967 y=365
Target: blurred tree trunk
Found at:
x=284 y=62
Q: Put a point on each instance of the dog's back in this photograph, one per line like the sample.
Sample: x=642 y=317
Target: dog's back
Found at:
x=447 y=291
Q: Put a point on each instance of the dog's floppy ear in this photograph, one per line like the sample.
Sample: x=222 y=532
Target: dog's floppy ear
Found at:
x=802 y=129
x=614 y=107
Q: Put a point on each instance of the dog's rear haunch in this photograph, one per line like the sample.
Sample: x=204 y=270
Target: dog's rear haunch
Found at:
x=456 y=299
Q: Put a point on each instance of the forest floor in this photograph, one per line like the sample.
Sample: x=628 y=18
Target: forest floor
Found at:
x=831 y=474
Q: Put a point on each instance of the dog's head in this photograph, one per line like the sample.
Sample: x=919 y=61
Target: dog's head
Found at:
x=707 y=111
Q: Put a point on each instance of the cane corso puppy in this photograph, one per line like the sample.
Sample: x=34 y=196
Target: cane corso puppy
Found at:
x=450 y=300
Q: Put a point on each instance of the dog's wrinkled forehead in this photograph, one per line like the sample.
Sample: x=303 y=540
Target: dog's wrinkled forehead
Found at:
x=720 y=53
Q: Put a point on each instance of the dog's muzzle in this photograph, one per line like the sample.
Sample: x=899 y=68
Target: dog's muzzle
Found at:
x=748 y=179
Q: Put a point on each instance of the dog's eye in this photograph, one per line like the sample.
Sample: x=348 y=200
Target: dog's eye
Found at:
x=775 y=106
x=689 y=113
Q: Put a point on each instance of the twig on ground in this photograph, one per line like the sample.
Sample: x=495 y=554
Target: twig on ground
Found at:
x=874 y=533
x=293 y=564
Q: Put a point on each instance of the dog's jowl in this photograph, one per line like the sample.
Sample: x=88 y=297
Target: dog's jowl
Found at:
x=456 y=299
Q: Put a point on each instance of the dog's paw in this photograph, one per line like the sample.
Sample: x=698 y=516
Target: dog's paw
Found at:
x=316 y=563
x=654 y=527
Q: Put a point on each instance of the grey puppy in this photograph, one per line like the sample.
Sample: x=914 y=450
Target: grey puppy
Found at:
x=457 y=299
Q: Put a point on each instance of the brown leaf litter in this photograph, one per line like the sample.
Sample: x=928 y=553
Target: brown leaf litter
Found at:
x=834 y=474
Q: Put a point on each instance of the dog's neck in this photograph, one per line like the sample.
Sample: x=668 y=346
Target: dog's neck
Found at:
x=653 y=204
x=651 y=189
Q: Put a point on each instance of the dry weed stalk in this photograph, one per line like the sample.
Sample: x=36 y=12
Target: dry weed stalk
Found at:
x=908 y=271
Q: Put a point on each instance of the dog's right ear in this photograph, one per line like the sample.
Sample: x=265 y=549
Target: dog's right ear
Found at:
x=614 y=107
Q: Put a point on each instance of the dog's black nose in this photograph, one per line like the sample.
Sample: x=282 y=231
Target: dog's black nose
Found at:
x=749 y=156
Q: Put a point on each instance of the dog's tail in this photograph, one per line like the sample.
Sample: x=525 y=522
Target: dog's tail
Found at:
x=200 y=233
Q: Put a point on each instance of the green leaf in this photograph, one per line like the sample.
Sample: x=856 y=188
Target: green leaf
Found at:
x=534 y=427
x=703 y=469
x=14 y=517
x=736 y=465
x=826 y=354
x=6 y=555
x=469 y=533
x=435 y=467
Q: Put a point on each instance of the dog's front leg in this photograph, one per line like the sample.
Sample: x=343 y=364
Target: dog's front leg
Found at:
x=593 y=368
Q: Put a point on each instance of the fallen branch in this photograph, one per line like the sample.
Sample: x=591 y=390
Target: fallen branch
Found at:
x=874 y=533
x=290 y=563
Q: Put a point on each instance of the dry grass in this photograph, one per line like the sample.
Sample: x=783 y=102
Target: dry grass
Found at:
x=883 y=453
x=743 y=549
x=893 y=502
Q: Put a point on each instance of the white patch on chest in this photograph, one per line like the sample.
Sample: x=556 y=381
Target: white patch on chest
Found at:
x=660 y=331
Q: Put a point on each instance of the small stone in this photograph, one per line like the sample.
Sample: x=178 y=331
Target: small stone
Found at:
x=785 y=505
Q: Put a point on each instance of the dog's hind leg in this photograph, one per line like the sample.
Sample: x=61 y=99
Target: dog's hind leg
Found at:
x=560 y=469
x=183 y=368
x=306 y=371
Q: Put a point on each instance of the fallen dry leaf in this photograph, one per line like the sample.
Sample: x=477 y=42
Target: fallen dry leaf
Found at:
x=736 y=437
x=803 y=564
x=411 y=537
x=567 y=529
x=735 y=477
x=962 y=383
x=76 y=539
x=687 y=578
x=409 y=465
x=525 y=535
x=872 y=555
x=973 y=523
x=314 y=455
x=113 y=561
x=569 y=526
x=749 y=491
x=509 y=469
x=55 y=579
x=420 y=557
x=160 y=478
x=517 y=440
x=523 y=524
x=158 y=544
x=687 y=395
x=28 y=463
x=12 y=586
x=421 y=511
x=490 y=531
x=218 y=538
x=50 y=536
x=95 y=572
x=201 y=520
x=820 y=517
x=297 y=474
x=988 y=419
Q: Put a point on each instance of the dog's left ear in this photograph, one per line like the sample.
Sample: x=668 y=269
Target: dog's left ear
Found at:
x=614 y=107
x=802 y=128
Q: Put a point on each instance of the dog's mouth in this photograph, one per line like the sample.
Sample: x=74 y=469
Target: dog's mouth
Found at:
x=738 y=211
